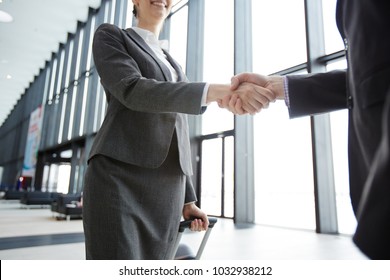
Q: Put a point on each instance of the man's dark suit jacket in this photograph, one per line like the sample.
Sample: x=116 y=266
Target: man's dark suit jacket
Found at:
x=365 y=89
x=144 y=108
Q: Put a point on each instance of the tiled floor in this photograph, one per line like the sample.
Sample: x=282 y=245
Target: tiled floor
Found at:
x=227 y=241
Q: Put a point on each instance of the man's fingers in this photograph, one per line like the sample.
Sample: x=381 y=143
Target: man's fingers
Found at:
x=238 y=108
x=252 y=108
x=268 y=94
x=254 y=98
x=235 y=105
x=234 y=83
x=259 y=101
x=239 y=79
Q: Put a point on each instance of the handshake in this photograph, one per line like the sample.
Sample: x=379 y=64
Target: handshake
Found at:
x=248 y=93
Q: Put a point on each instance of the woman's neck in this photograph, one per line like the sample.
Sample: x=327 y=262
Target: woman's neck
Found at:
x=151 y=27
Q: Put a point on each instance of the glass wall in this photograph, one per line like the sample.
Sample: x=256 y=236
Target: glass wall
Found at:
x=283 y=163
x=218 y=153
x=284 y=188
x=178 y=36
x=284 y=191
x=339 y=127
x=217 y=171
x=218 y=60
x=211 y=176
x=279 y=40
x=333 y=40
x=56 y=178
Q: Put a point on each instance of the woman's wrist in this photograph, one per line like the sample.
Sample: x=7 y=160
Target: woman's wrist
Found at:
x=217 y=92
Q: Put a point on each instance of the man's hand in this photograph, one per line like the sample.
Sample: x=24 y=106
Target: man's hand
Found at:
x=253 y=97
x=269 y=87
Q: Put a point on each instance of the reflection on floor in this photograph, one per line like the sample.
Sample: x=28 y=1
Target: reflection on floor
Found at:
x=7 y=243
x=36 y=234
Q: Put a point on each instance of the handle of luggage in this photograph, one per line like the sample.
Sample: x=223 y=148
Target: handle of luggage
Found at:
x=186 y=224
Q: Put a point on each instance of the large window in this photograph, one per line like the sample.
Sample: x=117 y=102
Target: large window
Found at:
x=218 y=176
x=218 y=60
x=278 y=37
x=178 y=36
x=339 y=133
x=284 y=192
x=284 y=189
x=339 y=126
x=333 y=40
x=217 y=154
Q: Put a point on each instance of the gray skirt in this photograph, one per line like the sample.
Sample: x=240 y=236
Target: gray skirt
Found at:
x=130 y=212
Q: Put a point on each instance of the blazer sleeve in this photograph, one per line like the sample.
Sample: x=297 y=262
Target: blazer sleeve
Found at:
x=122 y=77
x=190 y=195
x=317 y=93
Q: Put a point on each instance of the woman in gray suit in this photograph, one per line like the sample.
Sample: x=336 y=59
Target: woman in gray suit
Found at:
x=137 y=185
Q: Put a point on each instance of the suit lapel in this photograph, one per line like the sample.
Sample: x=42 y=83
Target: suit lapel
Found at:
x=180 y=74
x=141 y=43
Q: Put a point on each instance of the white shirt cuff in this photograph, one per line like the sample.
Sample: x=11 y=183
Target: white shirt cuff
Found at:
x=286 y=92
x=204 y=96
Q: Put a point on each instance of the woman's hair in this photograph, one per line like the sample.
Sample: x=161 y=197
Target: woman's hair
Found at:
x=134 y=11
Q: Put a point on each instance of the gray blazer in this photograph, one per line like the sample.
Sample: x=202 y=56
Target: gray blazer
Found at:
x=144 y=108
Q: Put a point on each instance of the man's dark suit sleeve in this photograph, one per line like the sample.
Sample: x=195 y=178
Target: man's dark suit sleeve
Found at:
x=317 y=93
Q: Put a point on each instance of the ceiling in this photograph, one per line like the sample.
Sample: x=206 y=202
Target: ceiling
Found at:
x=27 y=42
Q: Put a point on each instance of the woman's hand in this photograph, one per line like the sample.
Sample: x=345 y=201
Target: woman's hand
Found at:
x=191 y=211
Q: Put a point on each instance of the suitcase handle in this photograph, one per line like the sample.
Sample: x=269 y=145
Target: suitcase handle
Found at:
x=187 y=223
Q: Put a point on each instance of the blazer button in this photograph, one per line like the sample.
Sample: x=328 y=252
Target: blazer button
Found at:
x=350 y=102
x=346 y=44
